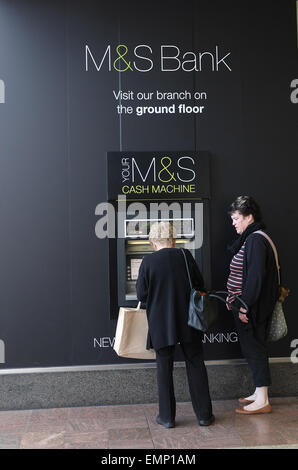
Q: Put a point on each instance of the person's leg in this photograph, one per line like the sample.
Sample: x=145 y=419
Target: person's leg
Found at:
x=197 y=380
x=254 y=348
x=261 y=398
x=251 y=397
x=166 y=396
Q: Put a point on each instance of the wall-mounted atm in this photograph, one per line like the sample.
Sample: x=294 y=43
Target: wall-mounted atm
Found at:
x=145 y=187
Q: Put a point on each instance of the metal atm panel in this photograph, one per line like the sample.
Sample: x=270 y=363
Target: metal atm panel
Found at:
x=137 y=245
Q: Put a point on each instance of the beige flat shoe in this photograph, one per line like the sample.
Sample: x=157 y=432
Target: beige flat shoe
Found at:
x=264 y=409
x=243 y=401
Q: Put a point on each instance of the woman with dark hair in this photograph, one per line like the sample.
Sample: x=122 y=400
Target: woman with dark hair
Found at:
x=253 y=276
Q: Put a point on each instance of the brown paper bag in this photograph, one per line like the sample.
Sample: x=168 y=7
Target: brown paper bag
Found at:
x=131 y=334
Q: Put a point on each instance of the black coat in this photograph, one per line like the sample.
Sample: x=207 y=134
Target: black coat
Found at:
x=260 y=278
x=163 y=285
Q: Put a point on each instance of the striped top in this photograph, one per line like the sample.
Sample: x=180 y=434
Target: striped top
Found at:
x=234 y=284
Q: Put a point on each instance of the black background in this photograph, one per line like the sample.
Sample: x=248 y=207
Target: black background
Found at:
x=59 y=121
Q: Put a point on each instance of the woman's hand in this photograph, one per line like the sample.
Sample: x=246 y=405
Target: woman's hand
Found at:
x=242 y=315
x=227 y=303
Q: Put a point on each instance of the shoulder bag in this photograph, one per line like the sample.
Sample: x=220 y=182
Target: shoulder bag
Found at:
x=278 y=326
x=202 y=311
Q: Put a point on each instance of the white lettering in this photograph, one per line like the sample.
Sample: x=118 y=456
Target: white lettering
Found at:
x=112 y=460
x=187 y=169
x=205 y=54
x=170 y=59
x=134 y=164
x=87 y=51
x=105 y=226
x=192 y=61
x=222 y=60
x=169 y=458
x=220 y=337
x=175 y=57
x=104 y=342
x=200 y=95
x=144 y=58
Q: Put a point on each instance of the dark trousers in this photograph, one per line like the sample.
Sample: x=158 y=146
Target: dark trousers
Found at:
x=197 y=381
x=253 y=345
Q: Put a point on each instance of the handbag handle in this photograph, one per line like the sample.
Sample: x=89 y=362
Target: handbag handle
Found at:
x=215 y=294
x=274 y=251
x=187 y=268
x=225 y=292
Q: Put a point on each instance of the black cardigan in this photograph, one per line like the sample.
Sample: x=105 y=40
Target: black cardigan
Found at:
x=260 y=278
x=163 y=285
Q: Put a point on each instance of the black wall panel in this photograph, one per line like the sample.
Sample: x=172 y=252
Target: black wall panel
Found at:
x=59 y=120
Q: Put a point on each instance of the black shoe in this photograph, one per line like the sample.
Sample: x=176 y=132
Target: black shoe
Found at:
x=207 y=422
x=169 y=424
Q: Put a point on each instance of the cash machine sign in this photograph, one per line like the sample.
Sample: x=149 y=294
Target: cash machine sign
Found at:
x=158 y=175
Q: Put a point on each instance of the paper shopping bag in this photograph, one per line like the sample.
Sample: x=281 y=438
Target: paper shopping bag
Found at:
x=131 y=334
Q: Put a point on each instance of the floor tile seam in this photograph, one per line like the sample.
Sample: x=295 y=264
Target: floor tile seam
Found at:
x=69 y=408
x=149 y=429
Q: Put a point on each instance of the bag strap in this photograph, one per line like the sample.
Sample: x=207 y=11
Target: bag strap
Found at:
x=216 y=294
x=187 y=268
x=274 y=251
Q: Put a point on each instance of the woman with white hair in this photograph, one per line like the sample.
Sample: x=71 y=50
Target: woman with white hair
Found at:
x=164 y=286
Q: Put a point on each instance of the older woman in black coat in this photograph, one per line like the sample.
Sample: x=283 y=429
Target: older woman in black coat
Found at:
x=253 y=276
x=163 y=285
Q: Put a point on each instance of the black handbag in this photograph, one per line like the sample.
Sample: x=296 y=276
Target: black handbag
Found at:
x=202 y=311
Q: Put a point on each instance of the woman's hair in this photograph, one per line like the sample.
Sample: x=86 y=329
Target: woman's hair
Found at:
x=246 y=205
x=162 y=233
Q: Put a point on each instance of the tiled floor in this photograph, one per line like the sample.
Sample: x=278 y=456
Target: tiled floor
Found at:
x=134 y=427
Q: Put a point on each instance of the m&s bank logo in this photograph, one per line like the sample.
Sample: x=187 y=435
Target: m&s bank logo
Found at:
x=166 y=58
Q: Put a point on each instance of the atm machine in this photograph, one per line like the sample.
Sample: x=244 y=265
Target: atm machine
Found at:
x=145 y=187
x=136 y=245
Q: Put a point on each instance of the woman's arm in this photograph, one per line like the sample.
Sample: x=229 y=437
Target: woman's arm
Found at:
x=255 y=254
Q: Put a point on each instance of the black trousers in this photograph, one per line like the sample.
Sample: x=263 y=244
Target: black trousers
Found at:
x=252 y=338
x=197 y=381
